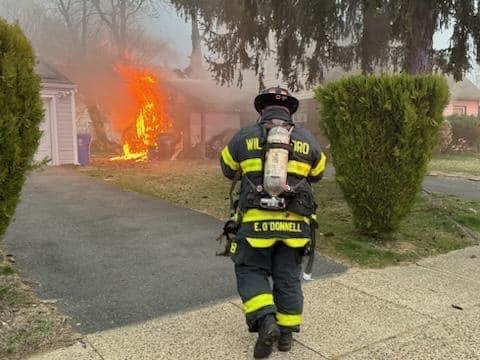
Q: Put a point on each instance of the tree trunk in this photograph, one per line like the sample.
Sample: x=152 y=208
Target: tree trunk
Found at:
x=84 y=28
x=195 y=68
x=374 y=40
x=366 y=42
x=419 y=40
x=122 y=29
x=203 y=135
x=65 y=10
x=101 y=141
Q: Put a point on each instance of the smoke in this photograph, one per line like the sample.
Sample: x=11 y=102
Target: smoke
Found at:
x=82 y=45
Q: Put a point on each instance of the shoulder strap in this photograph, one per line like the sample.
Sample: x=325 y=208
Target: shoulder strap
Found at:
x=235 y=179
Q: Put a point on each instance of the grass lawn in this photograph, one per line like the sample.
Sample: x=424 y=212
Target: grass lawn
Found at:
x=429 y=230
x=27 y=325
x=466 y=164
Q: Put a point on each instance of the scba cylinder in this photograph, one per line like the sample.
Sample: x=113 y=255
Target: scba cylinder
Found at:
x=276 y=161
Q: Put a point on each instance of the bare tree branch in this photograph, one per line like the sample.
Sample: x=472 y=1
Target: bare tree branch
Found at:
x=102 y=14
x=136 y=8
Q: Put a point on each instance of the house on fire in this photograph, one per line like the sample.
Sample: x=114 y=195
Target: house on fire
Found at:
x=59 y=134
x=205 y=111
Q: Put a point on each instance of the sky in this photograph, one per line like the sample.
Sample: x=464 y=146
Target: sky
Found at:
x=172 y=27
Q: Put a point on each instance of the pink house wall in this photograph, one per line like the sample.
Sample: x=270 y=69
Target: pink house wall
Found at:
x=471 y=107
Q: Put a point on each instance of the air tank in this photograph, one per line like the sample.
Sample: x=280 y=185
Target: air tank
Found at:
x=276 y=161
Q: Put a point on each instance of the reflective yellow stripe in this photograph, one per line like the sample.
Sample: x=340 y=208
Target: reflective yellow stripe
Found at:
x=251 y=165
x=265 y=215
x=228 y=159
x=296 y=242
x=288 y=320
x=298 y=168
x=261 y=243
x=317 y=170
x=257 y=302
x=265 y=243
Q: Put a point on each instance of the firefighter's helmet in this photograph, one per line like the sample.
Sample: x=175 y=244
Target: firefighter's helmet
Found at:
x=276 y=96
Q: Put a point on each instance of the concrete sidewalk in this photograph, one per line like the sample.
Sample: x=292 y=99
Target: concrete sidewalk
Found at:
x=429 y=310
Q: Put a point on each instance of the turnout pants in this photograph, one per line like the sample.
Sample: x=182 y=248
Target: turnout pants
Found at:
x=268 y=281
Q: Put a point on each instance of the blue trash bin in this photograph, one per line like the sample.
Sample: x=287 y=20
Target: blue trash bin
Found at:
x=83 y=141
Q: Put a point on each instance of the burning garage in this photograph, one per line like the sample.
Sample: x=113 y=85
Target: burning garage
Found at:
x=210 y=114
x=165 y=117
x=144 y=117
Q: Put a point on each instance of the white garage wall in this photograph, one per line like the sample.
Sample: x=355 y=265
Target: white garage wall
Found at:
x=47 y=146
x=64 y=131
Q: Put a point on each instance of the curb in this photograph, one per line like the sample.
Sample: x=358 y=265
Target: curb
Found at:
x=454 y=175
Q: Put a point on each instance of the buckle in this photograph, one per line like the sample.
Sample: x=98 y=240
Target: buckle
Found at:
x=273 y=203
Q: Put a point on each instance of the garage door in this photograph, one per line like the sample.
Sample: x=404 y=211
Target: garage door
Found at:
x=45 y=149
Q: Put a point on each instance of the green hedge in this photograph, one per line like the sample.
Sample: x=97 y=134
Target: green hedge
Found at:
x=20 y=114
x=465 y=127
x=382 y=132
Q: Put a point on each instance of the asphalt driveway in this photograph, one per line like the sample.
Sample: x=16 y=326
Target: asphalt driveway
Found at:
x=463 y=188
x=112 y=257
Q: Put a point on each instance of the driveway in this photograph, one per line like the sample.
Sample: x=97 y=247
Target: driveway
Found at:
x=463 y=188
x=113 y=257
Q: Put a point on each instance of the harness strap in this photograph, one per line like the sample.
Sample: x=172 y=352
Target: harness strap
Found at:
x=278 y=146
x=235 y=179
x=294 y=187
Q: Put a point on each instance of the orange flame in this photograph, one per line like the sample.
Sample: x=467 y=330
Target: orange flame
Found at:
x=140 y=133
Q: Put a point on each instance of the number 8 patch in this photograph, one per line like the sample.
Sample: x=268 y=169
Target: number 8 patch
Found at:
x=233 y=247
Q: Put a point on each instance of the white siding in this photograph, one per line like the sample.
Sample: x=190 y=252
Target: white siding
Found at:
x=65 y=132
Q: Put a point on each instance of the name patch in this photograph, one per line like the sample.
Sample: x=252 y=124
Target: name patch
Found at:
x=301 y=147
x=283 y=226
x=253 y=144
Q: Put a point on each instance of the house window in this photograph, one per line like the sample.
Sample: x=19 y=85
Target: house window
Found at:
x=460 y=110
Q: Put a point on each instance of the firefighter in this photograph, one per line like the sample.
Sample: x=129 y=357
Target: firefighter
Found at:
x=276 y=161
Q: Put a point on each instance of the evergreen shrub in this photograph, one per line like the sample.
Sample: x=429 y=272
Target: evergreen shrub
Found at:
x=466 y=128
x=382 y=131
x=20 y=115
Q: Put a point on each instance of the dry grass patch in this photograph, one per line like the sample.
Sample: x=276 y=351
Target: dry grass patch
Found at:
x=456 y=164
x=27 y=325
x=198 y=185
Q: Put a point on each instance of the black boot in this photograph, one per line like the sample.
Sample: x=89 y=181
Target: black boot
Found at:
x=285 y=341
x=267 y=335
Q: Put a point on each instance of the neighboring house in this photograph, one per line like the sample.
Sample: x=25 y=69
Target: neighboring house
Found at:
x=204 y=110
x=464 y=98
x=59 y=138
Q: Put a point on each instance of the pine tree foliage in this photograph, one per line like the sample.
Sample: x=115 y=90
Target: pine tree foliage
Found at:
x=20 y=116
x=309 y=37
x=382 y=132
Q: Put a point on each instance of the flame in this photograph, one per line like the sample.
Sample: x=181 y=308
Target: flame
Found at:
x=150 y=119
